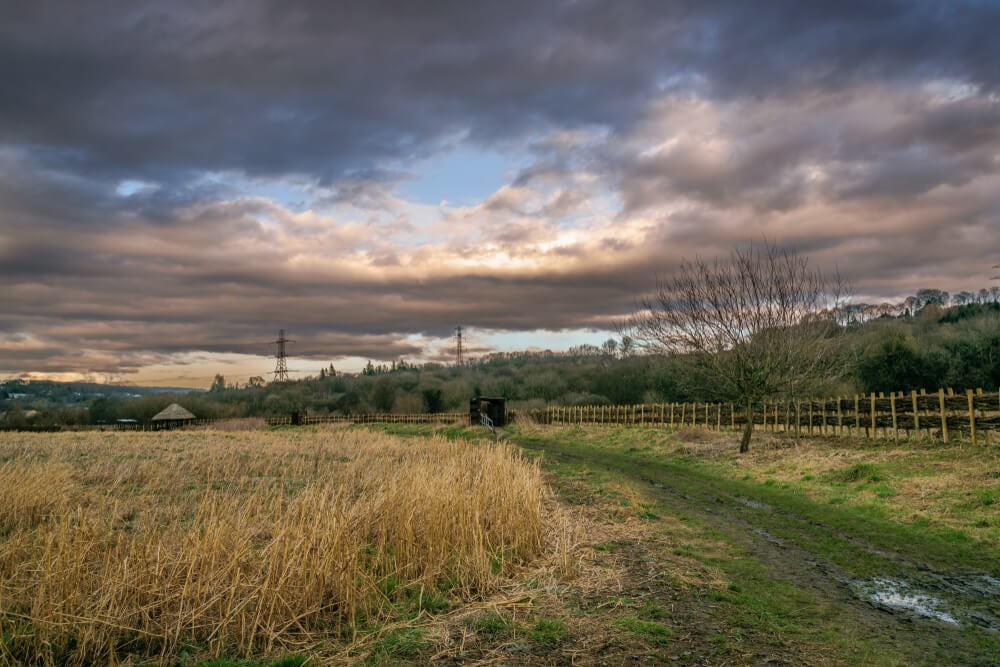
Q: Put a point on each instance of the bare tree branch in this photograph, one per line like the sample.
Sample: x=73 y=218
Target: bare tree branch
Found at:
x=761 y=323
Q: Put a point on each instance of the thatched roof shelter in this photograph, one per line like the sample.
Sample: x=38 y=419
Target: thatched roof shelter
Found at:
x=173 y=413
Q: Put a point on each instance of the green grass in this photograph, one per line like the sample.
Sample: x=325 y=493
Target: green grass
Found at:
x=548 y=631
x=289 y=661
x=651 y=631
x=492 y=625
x=944 y=547
x=398 y=644
x=867 y=472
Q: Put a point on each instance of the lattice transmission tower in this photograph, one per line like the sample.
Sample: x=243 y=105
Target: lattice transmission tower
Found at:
x=458 y=345
x=281 y=367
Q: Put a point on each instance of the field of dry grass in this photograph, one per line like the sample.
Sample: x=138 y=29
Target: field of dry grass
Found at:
x=138 y=546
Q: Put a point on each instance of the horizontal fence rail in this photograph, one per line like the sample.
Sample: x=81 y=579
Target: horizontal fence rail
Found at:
x=943 y=414
x=374 y=418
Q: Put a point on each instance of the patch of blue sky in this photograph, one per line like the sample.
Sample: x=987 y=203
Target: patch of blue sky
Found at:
x=129 y=187
x=557 y=341
x=296 y=196
x=292 y=196
x=463 y=176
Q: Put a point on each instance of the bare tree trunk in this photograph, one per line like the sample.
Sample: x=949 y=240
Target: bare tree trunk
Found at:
x=747 y=430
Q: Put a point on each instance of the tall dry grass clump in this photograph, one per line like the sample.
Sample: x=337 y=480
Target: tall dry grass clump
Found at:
x=136 y=545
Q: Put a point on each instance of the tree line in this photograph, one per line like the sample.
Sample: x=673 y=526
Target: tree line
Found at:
x=758 y=325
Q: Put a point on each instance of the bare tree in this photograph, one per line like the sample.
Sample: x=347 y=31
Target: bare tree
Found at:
x=758 y=324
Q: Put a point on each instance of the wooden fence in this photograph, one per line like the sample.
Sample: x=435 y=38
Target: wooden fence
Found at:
x=379 y=418
x=942 y=414
x=375 y=418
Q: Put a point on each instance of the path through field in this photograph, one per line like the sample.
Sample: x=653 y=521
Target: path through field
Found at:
x=885 y=596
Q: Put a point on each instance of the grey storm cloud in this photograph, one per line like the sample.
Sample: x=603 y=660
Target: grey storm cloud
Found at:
x=330 y=89
x=668 y=127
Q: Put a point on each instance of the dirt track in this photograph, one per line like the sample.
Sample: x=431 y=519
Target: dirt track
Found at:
x=929 y=615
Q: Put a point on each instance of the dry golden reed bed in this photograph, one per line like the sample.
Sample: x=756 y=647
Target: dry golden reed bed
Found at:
x=125 y=546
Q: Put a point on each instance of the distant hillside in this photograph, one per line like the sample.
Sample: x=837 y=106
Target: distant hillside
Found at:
x=66 y=393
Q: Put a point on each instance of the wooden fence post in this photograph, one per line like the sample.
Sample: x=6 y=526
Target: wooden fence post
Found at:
x=892 y=406
x=840 y=418
x=972 y=416
x=732 y=415
x=857 y=414
x=916 y=413
x=944 y=416
x=874 y=431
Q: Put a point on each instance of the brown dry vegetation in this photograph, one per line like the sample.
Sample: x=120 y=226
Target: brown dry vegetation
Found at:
x=118 y=546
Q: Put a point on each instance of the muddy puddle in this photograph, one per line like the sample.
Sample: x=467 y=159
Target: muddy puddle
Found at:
x=964 y=600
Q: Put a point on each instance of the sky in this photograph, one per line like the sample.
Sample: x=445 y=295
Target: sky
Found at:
x=179 y=181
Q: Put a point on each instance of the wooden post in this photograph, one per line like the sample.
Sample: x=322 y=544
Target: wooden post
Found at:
x=916 y=413
x=874 y=432
x=798 y=419
x=810 y=416
x=840 y=418
x=706 y=415
x=822 y=417
x=972 y=416
x=683 y=409
x=718 y=417
x=672 y=414
x=857 y=414
x=944 y=416
x=732 y=415
x=892 y=406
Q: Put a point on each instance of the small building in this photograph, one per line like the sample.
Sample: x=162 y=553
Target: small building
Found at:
x=172 y=416
x=493 y=407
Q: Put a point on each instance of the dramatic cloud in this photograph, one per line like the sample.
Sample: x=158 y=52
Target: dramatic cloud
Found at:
x=178 y=181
